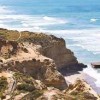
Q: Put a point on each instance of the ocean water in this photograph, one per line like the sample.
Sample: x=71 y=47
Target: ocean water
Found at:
x=77 y=21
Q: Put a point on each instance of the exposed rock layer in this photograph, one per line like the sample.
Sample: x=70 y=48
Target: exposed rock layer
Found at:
x=38 y=55
x=60 y=54
x=30 y=63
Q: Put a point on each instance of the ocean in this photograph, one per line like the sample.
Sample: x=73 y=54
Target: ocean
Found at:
x=77 y=21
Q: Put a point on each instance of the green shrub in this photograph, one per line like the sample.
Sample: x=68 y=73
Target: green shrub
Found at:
x=3 y=85
x=26 y=87
x=37 y=93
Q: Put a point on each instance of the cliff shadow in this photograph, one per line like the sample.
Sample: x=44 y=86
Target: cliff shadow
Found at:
x=72 y=69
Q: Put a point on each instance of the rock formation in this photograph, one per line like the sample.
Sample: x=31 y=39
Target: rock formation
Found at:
x=38 y=66
x=48 y=46
x=33 y=61
x=59 y=53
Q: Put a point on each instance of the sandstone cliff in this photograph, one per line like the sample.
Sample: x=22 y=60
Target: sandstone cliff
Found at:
x=28 y=61
x=47 y=45
x=57 y=51
x=24 y=87
x=38 y=55
x=33 y=60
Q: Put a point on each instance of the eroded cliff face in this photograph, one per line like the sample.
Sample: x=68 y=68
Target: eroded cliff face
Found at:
x=19 y=86
x=31 y=67
x=31 y=63
x=50 y=46
x=57 y=51
x=38 y=55
x=8 y=48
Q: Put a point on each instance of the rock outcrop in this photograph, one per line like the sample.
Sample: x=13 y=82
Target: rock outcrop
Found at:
x=57 y=51
x=33 y=61
x=24 y=87
x=82 y=91
x=50 y=46
x=38 y=55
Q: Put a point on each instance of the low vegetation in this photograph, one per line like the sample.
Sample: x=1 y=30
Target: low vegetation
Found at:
x=35 y=37
x=3 y=86
x=26 y=84
x=26 y=87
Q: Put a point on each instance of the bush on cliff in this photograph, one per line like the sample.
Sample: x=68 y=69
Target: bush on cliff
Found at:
x=3 y=85
x=26 y=87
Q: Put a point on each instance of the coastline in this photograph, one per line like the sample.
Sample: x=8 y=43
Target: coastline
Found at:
x=49 y=50
x=39 y=61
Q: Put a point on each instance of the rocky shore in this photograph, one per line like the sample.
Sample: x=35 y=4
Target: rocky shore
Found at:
x=37 y=63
